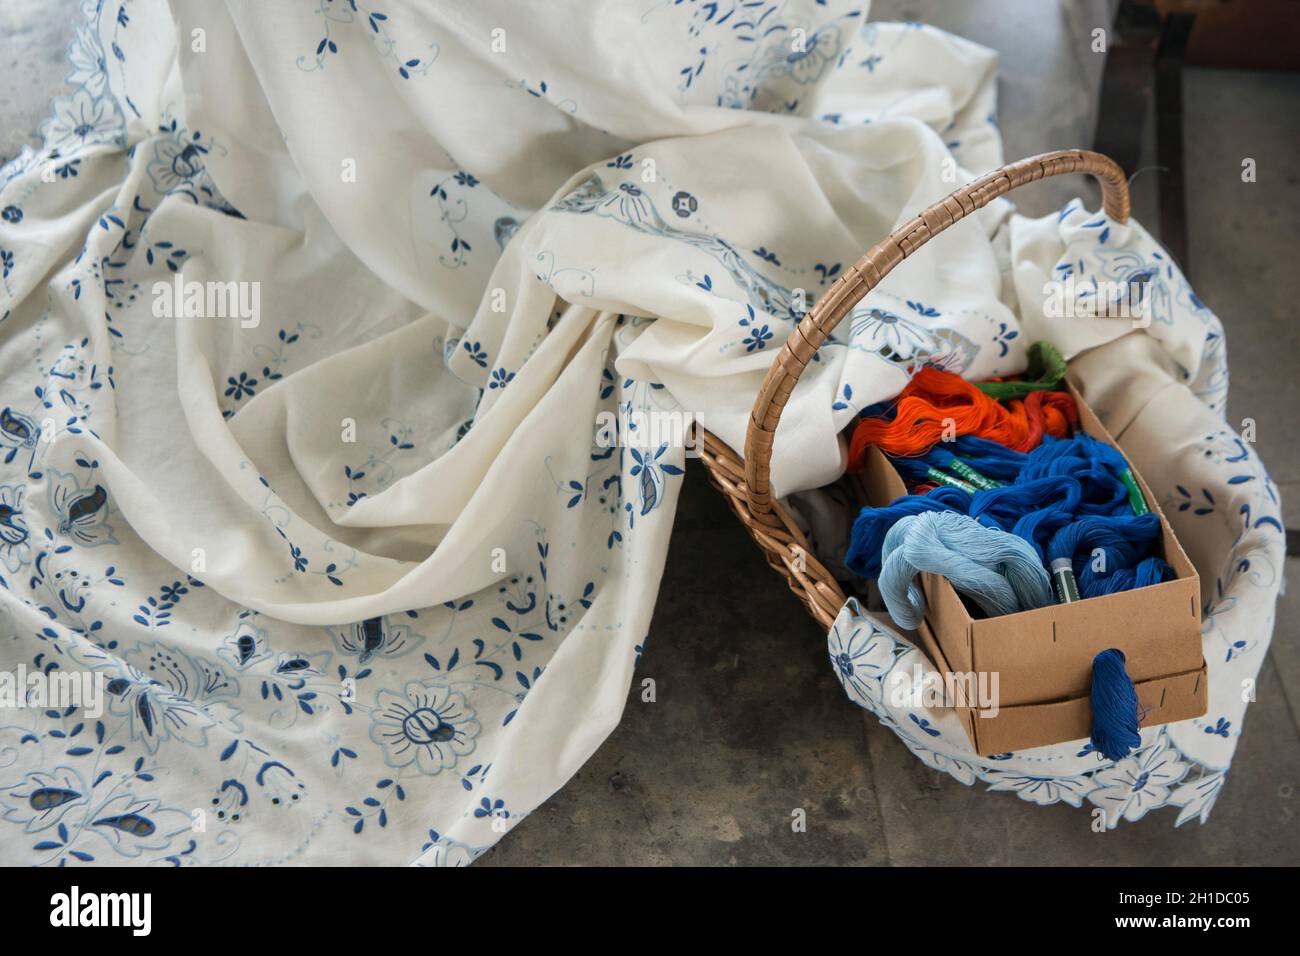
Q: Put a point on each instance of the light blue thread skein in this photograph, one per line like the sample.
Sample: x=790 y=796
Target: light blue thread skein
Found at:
x=998 y=571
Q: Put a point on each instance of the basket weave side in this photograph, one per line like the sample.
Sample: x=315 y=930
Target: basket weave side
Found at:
x=747 y=483
x=783 y=544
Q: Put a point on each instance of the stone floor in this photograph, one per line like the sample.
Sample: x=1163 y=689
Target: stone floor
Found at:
x=750 y=725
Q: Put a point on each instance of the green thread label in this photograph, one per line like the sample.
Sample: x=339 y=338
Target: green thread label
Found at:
x=973 y=476
x=1067 y=588
x=1135 y=499
x=940 y=478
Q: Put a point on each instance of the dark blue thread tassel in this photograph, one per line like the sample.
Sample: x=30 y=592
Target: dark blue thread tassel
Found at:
x=1114 y=707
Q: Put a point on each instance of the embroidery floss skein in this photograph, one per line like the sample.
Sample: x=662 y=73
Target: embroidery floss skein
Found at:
x=1055 y=457
x=1033 y=510
x=934 y=400
x=1045 y=372
x=1057 y=486
x=872 y=524
x=998 y=571
x=923 y=471
x=1115 y=708
x=996 y=461
x=1068 y=502
x=1122 y=542
x=976 y=461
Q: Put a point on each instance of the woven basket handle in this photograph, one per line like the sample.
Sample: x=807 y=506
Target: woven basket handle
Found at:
x=867 y=273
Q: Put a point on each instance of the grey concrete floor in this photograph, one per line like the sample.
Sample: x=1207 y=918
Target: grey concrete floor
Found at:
x=750 y=725
x=34 y=37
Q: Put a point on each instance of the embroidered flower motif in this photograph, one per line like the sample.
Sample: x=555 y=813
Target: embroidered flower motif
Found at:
x=924 y=725
x=862 y=654
x=13 y=527
x=11 y=214
x=246 y=646
x=82 y=511
x=80 y=120
x=1221 y=728
x=476 y=353
x=819 y=51
x=239 y=387
x=1197 y=797
x=758 y=338
x=89 y=69
x=1045 y=790
x=375 y=637
x=893 y=336
x=429 y=725
x=628 y=204
x=1138 y=783
x=650 y=473
x=168 y=695
x=176 y=161
x=41 y=798
x=1004 y=336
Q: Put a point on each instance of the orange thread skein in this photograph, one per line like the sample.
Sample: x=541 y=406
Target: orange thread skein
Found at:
x=935 y=396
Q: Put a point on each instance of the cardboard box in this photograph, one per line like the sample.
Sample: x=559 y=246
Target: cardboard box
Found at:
x=1043 y=657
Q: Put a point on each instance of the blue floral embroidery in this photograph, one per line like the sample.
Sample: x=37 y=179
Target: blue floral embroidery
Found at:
x=1220 y=727
x=828 y=273
x=777 y=59
x=630 y=205
x=1004 y=335
x=347 y=13
x=758 y=338
x=82 y=510
x=542 y=91
x=375 y=638
x=650 y=474
x=452 y=212
x=427 y=725
x=476 y=353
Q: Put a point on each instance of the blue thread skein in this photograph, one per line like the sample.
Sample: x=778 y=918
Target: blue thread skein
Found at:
x=872 y=524
x=1056 y=454
x=1124 y=540
x=1055 y=485
x=987 y=457
x=997 y=570
x=1066 y=499
x=1031 y=509
x=1115 y=708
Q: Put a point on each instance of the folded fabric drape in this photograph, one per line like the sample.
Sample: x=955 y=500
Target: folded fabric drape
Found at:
x=344 y=351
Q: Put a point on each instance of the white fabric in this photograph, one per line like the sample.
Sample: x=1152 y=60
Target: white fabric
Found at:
x=363 y=579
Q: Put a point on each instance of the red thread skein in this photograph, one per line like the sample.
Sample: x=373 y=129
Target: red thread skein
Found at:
x=935 y=396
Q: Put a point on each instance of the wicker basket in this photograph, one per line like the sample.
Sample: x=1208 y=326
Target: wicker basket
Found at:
x=745 y=483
